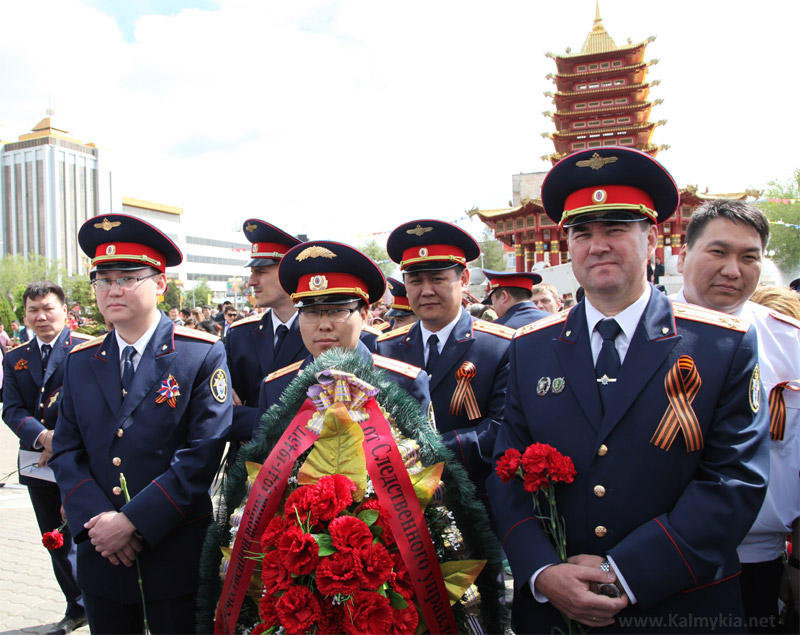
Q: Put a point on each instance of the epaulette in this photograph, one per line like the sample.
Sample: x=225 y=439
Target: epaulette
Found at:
x=196 y=334
x=89 y=344
x=84 y=337
x=495 y=329
x=782 y=317
x=383 y=326
x=707 y=316
x=372 y=329
x=395 y=333
x=409 y=370
x=248 y=320
x=284 y=371
x=545 y=322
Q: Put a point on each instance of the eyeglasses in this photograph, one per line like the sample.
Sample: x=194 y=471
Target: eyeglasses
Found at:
x=124 y=282
x=337 y=315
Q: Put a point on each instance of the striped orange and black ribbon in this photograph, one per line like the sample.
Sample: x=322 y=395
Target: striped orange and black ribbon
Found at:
x=464 y=396
x=682 y=384
x=777 y=408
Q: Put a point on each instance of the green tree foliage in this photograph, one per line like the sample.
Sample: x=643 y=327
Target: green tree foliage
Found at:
x=379 y=255
x=79 y=289
x=199 y=295
x=19 y=269
x=6 y=314
x=784 y=224
x=172 y=297
x=493 y=253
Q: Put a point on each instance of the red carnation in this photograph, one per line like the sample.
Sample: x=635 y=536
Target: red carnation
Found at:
x=302 y=503
x=377 y=566
x=273 y=532
x=534 y=459
x=274 y=574
x=386 y=535
x=339 y=573
x=401 y=579
x=405 y=621
x=508 y=464
x=266 y=611
x=333 y=494
x=367 y=612
x=331 y=621
x=560 y=467
x=299 y=551
x=53 y=540
x=298 y=609
x=349 y=533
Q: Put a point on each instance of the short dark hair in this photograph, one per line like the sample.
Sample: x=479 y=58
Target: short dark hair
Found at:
x=518 y=293
x=735 y=211
x=42 y=288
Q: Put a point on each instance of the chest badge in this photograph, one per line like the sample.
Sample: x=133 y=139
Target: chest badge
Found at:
x=53 y=399
x=22 y=364
x=169 y=391
x=543 y=386
x=558 y=385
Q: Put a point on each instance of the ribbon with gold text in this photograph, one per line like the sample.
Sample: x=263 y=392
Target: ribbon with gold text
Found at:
x=777 y=408
x=682 y=384
x=464 y=396
x=261 y=506
x=395 y=492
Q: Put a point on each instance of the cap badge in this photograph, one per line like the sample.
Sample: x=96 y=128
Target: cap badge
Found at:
x=318 y=283
x=599 y=196
x=111 y=250
x=419 y=230
x=596 y=162
x=254 y=248
x=423 y=251
x=315 y=251
x=250 y=227
x=108 y=225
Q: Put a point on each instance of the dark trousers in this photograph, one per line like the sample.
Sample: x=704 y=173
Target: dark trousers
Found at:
x=760 y=583
x=46 y=501
x=172 y=616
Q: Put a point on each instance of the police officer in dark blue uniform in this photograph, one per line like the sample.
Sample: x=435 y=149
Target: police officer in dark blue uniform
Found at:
x=333 y=285
x=33 y=376
x=466 y=358
x=258 y=345
x=510 y=296
x=658 y=404
x=151 y=401
x=400 y=311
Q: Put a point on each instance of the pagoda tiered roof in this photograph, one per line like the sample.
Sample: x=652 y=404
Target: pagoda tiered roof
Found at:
x=593 y=112
x=603 y=90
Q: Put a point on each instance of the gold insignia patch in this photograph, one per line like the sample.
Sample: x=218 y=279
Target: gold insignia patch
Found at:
x=755 y=390
x=111 y=250
x=318 y=283
x=419 y=230
x=107 y=225
x=219 y=385
x=315 y=251
x=596 y=162
x=53 y=399
x=250 y=227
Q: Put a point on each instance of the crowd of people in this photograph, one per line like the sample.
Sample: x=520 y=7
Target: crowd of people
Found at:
x=679 y=413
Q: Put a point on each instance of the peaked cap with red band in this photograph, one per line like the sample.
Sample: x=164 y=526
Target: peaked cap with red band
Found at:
x=269 y=243
x=122 y=242
x=400 y=304
x=611 y=185
x=431 y=244
x=503 y=279
x=330 y=270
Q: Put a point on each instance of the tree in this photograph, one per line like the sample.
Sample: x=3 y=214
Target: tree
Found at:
x=20 y=270
x=379 y=255
x=782 y=207
x=494 y=257
x=200 y=294
x=6 y=314
x=172 y=297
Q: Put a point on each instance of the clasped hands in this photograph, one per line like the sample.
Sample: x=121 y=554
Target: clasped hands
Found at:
x=114 y=537
x=568 y=587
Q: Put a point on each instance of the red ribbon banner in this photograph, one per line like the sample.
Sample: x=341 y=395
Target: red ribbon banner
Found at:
x=682 y=384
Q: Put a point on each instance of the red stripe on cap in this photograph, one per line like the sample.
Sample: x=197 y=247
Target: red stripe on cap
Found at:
x=269 y=250
x=326 y=283
x=129 y=252
x=608 y=196
x=511 y=281
x=428 y=253
x=400 y=303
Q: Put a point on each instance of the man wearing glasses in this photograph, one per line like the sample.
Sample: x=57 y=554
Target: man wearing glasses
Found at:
x=151 y=401
x=332 y=285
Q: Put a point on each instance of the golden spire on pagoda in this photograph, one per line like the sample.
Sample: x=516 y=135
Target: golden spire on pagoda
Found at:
x=598 y=40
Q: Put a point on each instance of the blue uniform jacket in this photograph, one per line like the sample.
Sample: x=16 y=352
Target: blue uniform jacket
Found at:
x=521 y=314
x=169 y=455
x=485 y=344
x=30 y=400
x=671 y=520
x=410 y=378
x=251 y=357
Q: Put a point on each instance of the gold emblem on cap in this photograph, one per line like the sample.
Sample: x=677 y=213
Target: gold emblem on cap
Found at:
x=596 y=162
x=423 y=251
x=250 y=227
x=108 y=225
x=419 y=230
x=254 y=248
x=599 y=196
x=111 y=250
x=318 y=283
x=315 y=251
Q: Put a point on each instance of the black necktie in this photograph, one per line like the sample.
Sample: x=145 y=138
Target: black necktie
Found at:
x=280 y=335
x=46 y=348
x=607 y=367
x=127 y=368
x=433 y=354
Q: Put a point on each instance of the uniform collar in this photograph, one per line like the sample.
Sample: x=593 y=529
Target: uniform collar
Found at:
x=142 y=342
x=628 y=318
x=276 y=321
x=442 y=334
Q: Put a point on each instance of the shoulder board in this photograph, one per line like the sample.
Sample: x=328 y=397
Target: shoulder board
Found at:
x=371 y=329
x=696 y=313
x=196 y=334
x=782 y=317
x=538 y=325
x=283 y=371
x=248 y=320
x=93 y=342
x=495 y=329
x=409 y=370
x=16 y=346
x=395 y=333
x=84 y=337
x=383 y=326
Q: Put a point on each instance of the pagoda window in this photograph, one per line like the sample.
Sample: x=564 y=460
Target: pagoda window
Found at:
x=623 y=120
x=608 y=102
x=594 y=104
x=579 y=124
x=594 y=144
x=593 y=67
x=608 y=134
x=619 y=82
x=498 y=226
x=594 y=85
x=520 y=223
x=578 y=145
x=616 y=63
x=605 y=65
x=581 y=68
x=607 y=83
x=580 y=106
x=610 y=142
x=593 y=124
x=580 y=87
x=531 y=222
x=608 y=122
x=626 y=141
x=621 y=100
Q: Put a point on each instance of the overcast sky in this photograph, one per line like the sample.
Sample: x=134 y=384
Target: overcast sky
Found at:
x=342 y=119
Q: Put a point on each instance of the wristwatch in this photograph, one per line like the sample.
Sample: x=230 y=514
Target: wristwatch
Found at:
x=610 y=589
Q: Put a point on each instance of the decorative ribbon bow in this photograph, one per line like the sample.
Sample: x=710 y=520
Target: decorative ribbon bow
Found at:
x=464 y=396
x=169 y=391
x=682 y=384
x=336 y=386
x=777 y=408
